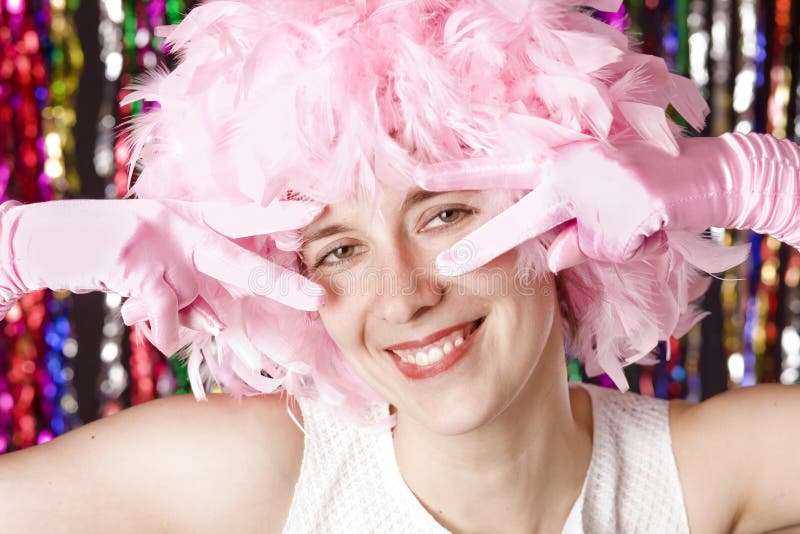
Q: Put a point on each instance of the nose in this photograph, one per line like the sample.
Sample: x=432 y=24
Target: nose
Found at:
x=407 y=288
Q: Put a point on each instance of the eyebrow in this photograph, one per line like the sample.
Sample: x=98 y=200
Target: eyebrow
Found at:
x=418 y=196
x=326 y=231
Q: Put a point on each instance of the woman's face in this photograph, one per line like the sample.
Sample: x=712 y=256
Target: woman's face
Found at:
x=451 y=353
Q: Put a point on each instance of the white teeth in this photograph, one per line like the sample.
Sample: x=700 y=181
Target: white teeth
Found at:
x=435 y=352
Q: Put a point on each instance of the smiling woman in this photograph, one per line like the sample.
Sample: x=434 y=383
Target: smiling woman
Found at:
x=409 y=332
x=390 y=188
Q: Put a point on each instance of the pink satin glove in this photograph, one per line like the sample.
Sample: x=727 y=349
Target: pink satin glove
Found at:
x=152 y=251
x=620 y=205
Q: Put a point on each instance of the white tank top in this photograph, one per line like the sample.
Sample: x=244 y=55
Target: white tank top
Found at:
x=350 y=482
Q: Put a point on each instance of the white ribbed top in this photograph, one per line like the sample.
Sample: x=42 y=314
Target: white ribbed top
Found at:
x=350 y=482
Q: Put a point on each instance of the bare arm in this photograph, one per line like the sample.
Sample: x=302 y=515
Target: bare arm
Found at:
x=170 y=465
x=735 y=456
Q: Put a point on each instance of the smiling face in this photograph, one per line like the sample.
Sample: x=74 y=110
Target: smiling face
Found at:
x=450 y=353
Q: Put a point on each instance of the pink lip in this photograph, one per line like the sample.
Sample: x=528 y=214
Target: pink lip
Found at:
x=427 y=340
x=416 y=372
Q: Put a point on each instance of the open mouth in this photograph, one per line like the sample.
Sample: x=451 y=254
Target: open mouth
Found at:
x=436 y=356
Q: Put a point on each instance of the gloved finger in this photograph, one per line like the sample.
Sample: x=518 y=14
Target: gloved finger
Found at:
x=251 y=219
x=535 y=213
x=229 y=263
x=182 y=279
x=565 y=252
x=162 y=305
x=133 y=311
x=652 y=246
x=476 y=173
x=200 y=317
x=183 y=284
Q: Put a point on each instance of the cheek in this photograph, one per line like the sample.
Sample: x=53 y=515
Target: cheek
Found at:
x=498 y=281
x=344 y=316
x=335 y=317
x=527 y=307
x=538 y=311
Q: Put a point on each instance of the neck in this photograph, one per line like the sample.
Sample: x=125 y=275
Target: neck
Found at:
x=526 y=465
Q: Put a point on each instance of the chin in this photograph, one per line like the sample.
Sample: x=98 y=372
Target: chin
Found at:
x=458 y=416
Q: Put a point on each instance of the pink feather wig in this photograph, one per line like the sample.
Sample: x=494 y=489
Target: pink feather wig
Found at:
x=302 y=97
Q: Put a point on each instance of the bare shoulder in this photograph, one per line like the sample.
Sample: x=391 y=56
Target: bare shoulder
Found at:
x=246 y=456
x=729 y=484
x=172 y=464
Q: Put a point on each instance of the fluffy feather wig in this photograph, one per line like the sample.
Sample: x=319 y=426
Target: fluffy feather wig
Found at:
x=302 y=97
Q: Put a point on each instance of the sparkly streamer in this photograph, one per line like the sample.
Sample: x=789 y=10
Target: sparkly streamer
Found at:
x=790 y=334
x=59 y=406
x=699 y=42
x=783 y=335
x=780 y=71
x=113 y=376
x=41 y=64
x=129 y=47
x=21 y=371
x=152 y=375
x=750 y=75
x=722 y=70
x=60 y=413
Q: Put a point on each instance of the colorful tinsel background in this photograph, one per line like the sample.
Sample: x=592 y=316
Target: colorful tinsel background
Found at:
x=68 y=359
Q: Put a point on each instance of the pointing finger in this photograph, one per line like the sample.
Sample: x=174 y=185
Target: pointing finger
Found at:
x=537 y=212
x=133 y=311
x=234 y=265
x=565 y=252
x=252 y=219
x=162 y=305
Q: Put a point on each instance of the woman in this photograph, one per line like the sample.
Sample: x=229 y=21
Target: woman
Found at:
x=429 y=402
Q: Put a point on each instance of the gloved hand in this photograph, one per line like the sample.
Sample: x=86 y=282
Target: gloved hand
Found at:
x=152 y=251
x=619 y=205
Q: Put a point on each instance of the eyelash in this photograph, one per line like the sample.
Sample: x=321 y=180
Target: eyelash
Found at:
x=344 y=261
